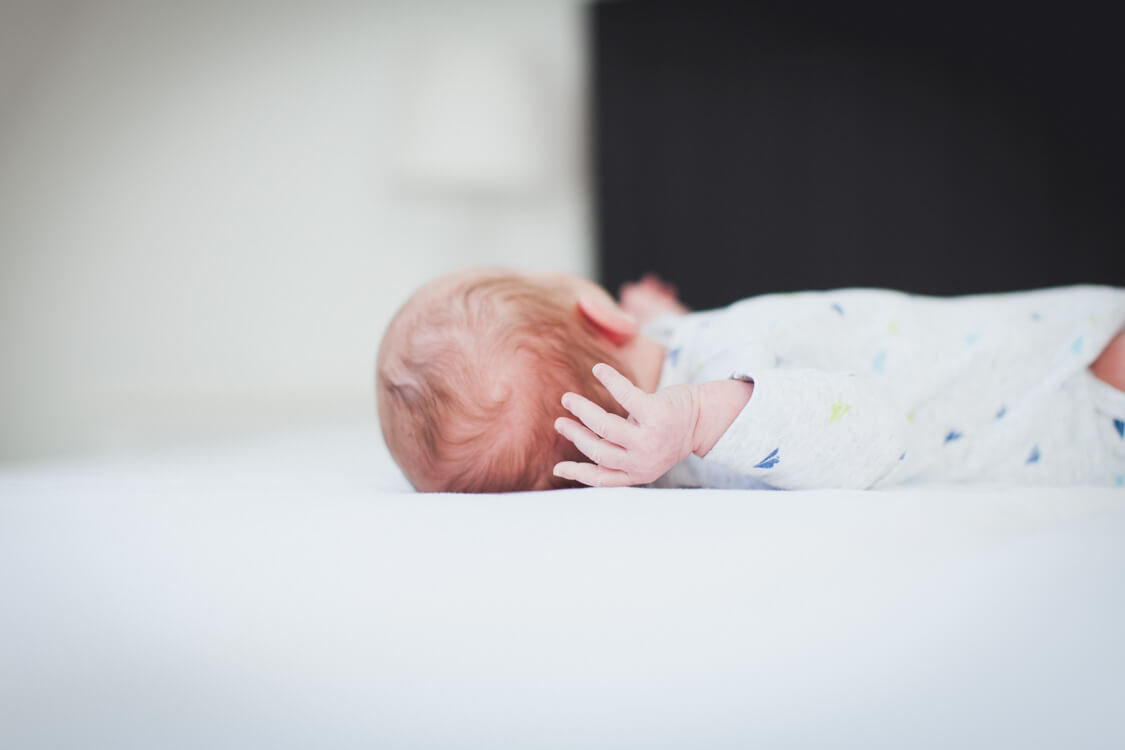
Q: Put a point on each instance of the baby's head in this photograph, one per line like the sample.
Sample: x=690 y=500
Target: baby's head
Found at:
x=471 y=370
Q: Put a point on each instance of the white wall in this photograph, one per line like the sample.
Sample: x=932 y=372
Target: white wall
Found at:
x=201 y=230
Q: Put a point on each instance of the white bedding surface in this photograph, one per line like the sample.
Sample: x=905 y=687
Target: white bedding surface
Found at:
x=290 y=591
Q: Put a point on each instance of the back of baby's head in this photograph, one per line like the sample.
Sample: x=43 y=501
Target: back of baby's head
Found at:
x=469 y=379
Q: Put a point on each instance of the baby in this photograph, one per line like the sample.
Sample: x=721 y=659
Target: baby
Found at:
x=492 y=381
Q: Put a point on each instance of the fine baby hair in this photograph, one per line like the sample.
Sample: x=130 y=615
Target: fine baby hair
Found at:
x=469 y=376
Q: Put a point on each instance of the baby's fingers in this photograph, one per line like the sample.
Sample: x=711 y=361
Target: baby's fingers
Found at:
x=626 y=394
x=589 y=474
x=601 y=452
x=601 y=423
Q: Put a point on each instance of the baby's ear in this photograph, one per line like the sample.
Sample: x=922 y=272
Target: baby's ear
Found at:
x=608 y=318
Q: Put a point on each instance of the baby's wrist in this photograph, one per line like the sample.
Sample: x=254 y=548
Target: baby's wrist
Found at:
x=719 y=402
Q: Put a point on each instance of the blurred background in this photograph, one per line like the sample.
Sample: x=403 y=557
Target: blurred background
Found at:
x=210 y=210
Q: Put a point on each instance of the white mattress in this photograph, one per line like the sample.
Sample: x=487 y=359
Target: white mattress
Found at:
x=290 y=592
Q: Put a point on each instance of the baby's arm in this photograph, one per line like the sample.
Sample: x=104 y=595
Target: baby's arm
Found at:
x=810 y=429
x=802 y=429
x=663 y=428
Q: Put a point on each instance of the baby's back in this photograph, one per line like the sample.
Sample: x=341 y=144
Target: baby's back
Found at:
x=970 y=375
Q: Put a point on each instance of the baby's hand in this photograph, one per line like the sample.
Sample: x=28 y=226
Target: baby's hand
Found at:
x=650 y=297
x=639 y=450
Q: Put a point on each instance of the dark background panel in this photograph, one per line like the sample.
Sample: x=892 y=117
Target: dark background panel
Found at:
x=949 y=148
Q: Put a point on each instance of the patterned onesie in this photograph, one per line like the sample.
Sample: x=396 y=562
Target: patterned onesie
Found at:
x=873 y=388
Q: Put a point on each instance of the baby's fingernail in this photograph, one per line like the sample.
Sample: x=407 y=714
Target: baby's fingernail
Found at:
x=558 y=424
x=566 y=400
x=558 y=472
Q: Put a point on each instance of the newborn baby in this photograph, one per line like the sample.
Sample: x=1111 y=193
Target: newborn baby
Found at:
x=491 y=380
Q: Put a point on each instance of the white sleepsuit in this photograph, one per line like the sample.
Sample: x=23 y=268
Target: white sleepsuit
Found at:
x=875 y=388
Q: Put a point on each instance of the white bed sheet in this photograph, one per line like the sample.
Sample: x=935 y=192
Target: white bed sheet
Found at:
x=290 y=591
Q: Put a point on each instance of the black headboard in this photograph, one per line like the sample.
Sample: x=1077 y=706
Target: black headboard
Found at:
x=940 y=148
